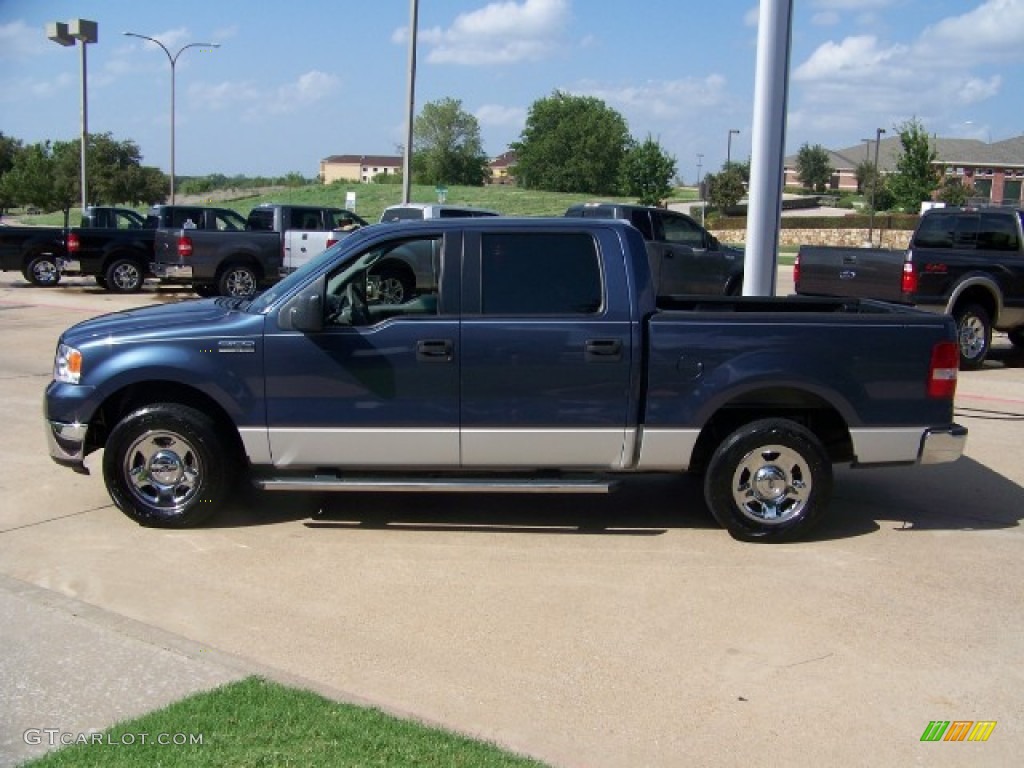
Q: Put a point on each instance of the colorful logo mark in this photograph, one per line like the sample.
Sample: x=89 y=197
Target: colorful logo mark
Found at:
x=958 y=730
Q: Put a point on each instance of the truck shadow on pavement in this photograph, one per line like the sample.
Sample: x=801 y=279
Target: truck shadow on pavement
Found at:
x=965 y=496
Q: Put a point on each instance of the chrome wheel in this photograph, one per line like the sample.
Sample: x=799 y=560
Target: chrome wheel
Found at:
x=974 y=335
x=124 y=277
x=162 y=470
x=42 y=271
x=239 y=282
x=772 y=485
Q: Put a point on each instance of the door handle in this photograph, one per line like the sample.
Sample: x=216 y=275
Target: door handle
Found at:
x=434 y=351
x=603 y=350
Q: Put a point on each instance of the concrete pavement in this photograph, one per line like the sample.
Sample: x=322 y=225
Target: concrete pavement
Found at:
x=624 y=631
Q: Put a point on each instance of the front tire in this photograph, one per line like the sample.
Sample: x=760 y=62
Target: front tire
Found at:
x=769 y=481
x=124 y=276
x=974 y=335
x=165 y=466
x=1016 y=337
x=238 y=281
x=42 y=271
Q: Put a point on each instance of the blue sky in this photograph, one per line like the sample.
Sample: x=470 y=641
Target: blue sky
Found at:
x=295 y=82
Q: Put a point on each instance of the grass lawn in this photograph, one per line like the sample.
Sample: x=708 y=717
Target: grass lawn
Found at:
x=372 y=199
x=255 y=723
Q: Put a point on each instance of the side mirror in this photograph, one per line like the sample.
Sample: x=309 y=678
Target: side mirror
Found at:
x=305 y=312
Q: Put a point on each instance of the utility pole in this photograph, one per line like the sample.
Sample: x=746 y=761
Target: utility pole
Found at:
x=874 y=186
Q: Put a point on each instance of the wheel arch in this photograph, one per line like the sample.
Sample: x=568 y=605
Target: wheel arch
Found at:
x=240 y=260
x=977 y=289
x=139 y=394
x=802 y=406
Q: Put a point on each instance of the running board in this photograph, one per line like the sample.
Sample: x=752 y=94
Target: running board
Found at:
x=330 y=483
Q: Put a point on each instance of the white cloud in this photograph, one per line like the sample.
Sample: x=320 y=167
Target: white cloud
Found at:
x=855 y=58
x=19 y=41
x=993 y=30
x=660 y=99
x=495 y=115
x=752 y=17
x=257 y=101
x=499 y=33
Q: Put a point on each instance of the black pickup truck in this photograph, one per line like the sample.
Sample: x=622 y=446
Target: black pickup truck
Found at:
x=34 y=251
x=968 y=263
x=684 y=257
x=119 y=261
x=114 y=245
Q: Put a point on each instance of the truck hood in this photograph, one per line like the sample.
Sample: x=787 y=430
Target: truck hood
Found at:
x=203 y=317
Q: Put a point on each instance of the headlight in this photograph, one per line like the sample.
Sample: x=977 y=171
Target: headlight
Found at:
x=67 y=365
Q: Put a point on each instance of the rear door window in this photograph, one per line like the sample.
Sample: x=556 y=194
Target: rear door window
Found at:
x=998 y=232
x=540 y=274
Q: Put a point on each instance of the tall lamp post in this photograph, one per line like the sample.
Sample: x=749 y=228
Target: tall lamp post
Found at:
x=85 y=32
x=874 y=186
x=700 y=187
x=728 y=147
x=173 y=59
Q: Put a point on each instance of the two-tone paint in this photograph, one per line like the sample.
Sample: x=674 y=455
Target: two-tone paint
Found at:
x=630 y=388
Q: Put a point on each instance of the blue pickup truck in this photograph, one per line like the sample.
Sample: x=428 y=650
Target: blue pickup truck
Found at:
x=540 y=359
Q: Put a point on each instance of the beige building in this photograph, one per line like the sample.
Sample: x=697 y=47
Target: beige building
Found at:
x=361 y=168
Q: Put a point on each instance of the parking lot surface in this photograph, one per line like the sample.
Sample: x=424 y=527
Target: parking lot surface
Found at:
x=616 y=631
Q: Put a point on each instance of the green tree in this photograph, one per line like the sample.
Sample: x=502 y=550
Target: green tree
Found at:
x=647 y=172
x=953 y=191
x=9 y=150
x=446 y=146
x=724 y=189
x=38 y=177
x=917 y=175
x=813 y=165
x=572 y=144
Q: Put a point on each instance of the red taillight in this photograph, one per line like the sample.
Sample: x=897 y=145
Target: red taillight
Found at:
x=73 y=242
x=796 y=271
x=331 y=242
x=908 y=283
x=943 y=371
x=184 y=247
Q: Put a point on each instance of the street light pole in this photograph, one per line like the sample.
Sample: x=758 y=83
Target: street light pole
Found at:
x=173 y=59
x=700 y=188
x=728 y=147
x=85 y=32
x=874 y=186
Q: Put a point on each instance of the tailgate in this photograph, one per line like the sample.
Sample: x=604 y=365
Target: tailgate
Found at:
x=863 y=273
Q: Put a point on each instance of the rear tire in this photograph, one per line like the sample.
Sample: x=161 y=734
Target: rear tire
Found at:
x=769 y=481
x=124 y=275
x=165 y=466
x=974 y=335
x=393 y=286
x=1016 y=337
x=237 y=281
x=42 y=271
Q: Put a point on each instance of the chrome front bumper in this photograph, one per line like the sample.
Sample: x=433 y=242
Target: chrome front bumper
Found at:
x=939 y=446
x=171 y=271
x=66 y=443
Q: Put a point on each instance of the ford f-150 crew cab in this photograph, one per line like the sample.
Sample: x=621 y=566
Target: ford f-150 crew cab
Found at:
x=968 y=263
x=539 y=361
x=277 y=239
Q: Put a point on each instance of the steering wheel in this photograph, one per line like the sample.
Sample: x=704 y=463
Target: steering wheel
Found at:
x=359 y=310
